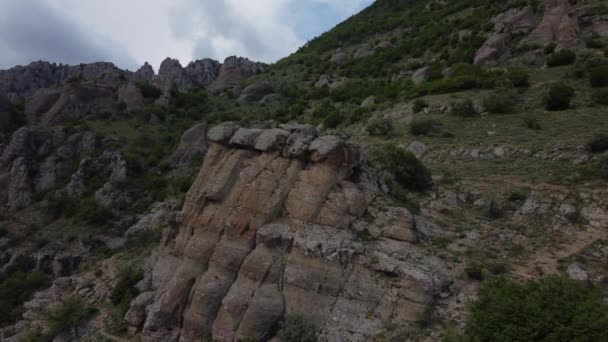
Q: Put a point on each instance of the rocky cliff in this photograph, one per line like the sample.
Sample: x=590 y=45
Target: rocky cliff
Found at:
x=280 y=222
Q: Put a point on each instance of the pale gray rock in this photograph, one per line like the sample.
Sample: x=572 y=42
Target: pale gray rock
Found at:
x=246 y=137
x=418 y=148
x=421 y=75
x=222 y=132
x=272 y=139
x=339 y=58
x=192 y=146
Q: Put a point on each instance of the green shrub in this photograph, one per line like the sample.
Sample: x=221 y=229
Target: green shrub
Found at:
x=559 y=96
x=532 y=123
x=68 y=316
x=549 y=309
x=297 y=329
x=598 y=76
x=598 y=144
x=408 y=171
x=16 y=289
x=91 y=212
x=519 y=77
x=562 y=57
x=600 y=96
x=465 y=109
x=61 y=204
x=500 y=101
x=379 y=126
x=333 y=120
x=419 y=105
x=148 y=90
x=424 y=126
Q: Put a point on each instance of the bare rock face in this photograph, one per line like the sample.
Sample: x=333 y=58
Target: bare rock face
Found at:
x=36 y=159
x=39 y=103
x=263 y=234
x=363 y=51
x=513 y=21
x=339 y=58
x=557 y=26
x=131 y=96
x=78 y=100
x=144 y=73
x=171 y=76
x=22 y=81
x=192 y=146
x=203 y=72
x=256 y=91
x=421 y=75
x=233 y=72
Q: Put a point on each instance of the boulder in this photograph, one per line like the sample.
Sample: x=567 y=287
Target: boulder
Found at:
x=494 y=48
x=417 y=148
x=515 y=21
x=256 y=91
x=223 y=132
x=384 y=45
x=363 y=51
x=421 y=75
x=246 y=137
x=464 y=34
x=272 y=139
x=192 y=146
x=368 y=102
x=339 y=58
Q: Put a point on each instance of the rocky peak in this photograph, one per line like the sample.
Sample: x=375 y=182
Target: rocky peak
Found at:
x=204 y=71
x=269 y=228
x=234 y=71
x=144 y=73
x=172 y=75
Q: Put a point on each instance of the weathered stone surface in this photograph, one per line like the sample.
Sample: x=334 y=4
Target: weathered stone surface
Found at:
x=421 y=75
x=264 y=234
x=222 y=133
x=144 y=73
x=363 y=51
x=368 y=102
x=6 y=114
x=272 y=139
x=78 y=101
x=203 y=72
x=233 y=72
x=384 y=45
x=171 y=76
x=493 y=48
x=339 y=58
x=245 y=137
x=131 y=96
x=39 y=103
x=192 y=146
x=417 y=148
x=557 y=26
x=256 y=91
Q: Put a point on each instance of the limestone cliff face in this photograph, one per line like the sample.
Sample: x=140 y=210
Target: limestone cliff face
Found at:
x=273 y=225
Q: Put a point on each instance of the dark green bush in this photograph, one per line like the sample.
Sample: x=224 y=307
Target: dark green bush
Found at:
x=91 y=212
x=61 y=204
x=419 y=105
x=598 y=144
x=559 y=96
x=297 y=329
x=598 y=76
x=465 y=109
x=532 y=123
x=16 y=289
x=379 y=126
x=424 y=126
x=501 y=101
x=562 y=57
x=148 y=90
x=68 y=316
x=333 y=120
x=519 y=77
x=600 y=96
x=550 y=309
x=408 y=171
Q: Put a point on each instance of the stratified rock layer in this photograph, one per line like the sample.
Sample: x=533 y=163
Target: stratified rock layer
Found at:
x=266 y=232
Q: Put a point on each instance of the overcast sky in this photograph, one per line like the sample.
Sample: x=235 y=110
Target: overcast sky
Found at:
x=131 y=32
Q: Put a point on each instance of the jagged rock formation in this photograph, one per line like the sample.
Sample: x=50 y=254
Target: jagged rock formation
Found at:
x=272 y=226
x=233 y=71
x=132 y=97
x=22 y=81
x=514 y=21
x=6 y=114
x=144 y=73
x=203 y=72
x=192 y=146
x=557 y=26
x=36 y=160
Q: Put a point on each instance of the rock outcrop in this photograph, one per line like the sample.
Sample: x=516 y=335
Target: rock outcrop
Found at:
x=203 y=72
x=273 y=226
x=78 y=100
x=233 y=72
x=171 y=76
x=192 y=146
x=132 y=97
x=557 y=26
x=513 y=21
x=256 y=91
x=22 y=81
x=144 y=73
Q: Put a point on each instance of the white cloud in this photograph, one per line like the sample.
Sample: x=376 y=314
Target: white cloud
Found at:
x=150 y=30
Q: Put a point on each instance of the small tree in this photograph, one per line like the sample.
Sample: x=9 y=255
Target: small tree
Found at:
x=598 y=144
x=559 y=96
x=408 y=171
x=68 y=316
x=424 y=126
x=465 y=109
x=562 y=57
x=419 y=105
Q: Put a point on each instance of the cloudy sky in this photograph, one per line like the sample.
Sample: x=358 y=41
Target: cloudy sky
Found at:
x=131 y=32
